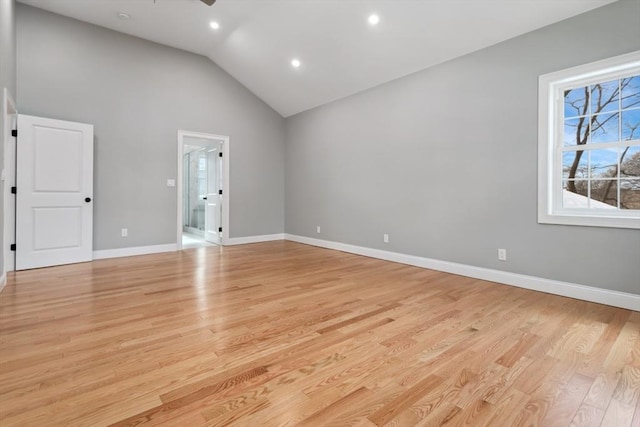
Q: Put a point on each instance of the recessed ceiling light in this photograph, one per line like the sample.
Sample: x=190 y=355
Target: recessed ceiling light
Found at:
x=374 y=19
x=123 y=15
x=295 y=63
x=214 y=25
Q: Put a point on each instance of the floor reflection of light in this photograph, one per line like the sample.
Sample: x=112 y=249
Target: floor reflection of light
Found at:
x=205 y=282
x=206 y=266
x=200 y=279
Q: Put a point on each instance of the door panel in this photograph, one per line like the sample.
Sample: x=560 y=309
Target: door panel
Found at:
x=54 y=223
x=211 y=232
x=212 y=210
x=56 y=228
x=65 y=174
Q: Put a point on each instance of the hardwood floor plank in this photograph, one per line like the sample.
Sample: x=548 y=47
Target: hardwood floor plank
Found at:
x=405 y=400
x=587 y=416
x=635 y=422
x=516 y=352
x=540 y=401
x=625 y=398
x=284 y=334
x=336 y=408
x=506 y=408
x=563 y=410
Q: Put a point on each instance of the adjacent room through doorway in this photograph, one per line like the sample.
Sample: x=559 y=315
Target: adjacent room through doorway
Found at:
x=200 y=206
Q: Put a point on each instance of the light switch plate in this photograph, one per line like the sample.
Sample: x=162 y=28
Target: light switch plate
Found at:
x=171 y=183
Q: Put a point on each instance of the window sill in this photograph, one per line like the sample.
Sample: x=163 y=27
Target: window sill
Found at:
x=589 y=220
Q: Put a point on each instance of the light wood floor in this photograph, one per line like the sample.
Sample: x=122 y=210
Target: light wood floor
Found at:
x=280 y=333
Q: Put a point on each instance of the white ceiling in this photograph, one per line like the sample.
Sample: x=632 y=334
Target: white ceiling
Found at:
x=341 y=53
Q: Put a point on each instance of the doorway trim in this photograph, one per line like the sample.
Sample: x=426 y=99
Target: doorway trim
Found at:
x=224 y=220
x=10 y=113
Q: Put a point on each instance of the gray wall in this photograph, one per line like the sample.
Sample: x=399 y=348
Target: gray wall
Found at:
x=7 y=80
x=8 y=45
x=445 y=161
x=138 y=94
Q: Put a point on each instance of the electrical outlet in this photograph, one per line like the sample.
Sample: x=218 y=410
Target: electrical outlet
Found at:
x=502 y=254
x=318 y=229
x=124 y=232
x=385 y=238
x=171 y=183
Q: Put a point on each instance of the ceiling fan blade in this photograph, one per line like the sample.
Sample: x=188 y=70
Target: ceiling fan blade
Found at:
x=208 y=2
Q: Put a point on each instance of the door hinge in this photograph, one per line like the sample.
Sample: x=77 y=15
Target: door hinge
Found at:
x=13 y=246
x=220 y=154
x=14 y=133
x=14 y=190
x=219 y=229
x=220 y=192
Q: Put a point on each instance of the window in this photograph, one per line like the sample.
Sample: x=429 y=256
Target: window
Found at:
x=589 y=144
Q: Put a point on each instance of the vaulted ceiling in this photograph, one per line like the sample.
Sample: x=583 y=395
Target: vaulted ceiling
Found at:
x=339 y=50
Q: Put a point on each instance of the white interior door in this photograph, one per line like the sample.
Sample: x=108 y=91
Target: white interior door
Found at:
x=212 y=204
x=54 y=223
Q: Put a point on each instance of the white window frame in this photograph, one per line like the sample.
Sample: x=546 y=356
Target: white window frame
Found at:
x=551 y=89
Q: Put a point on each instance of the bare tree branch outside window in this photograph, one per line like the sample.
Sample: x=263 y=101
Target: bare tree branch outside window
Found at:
x=606 y=112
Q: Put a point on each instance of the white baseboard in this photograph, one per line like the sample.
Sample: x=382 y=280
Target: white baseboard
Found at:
x=572 y=290
x=138 y=250
x=3 y=280
x=253 y=239
x=172 y=247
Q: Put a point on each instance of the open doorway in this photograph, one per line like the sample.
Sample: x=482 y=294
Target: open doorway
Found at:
x=202 y=189
x=199 y=180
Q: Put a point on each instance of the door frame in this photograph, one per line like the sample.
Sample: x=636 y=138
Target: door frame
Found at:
x=10 y=113
x=224 y=220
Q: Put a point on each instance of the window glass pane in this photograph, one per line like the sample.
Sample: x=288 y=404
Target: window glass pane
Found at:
x=575 y=131
x=604 y=97
x=630 y=92
x=574 y=194
x=604 y=163
x=630 y=162
x=604 y=194
x=575 y=102
x=604 y=128
x=631 y=124
x=575 y=164
x=630 y=194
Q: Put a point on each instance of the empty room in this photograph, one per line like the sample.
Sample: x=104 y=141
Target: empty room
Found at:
x=320 y=213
